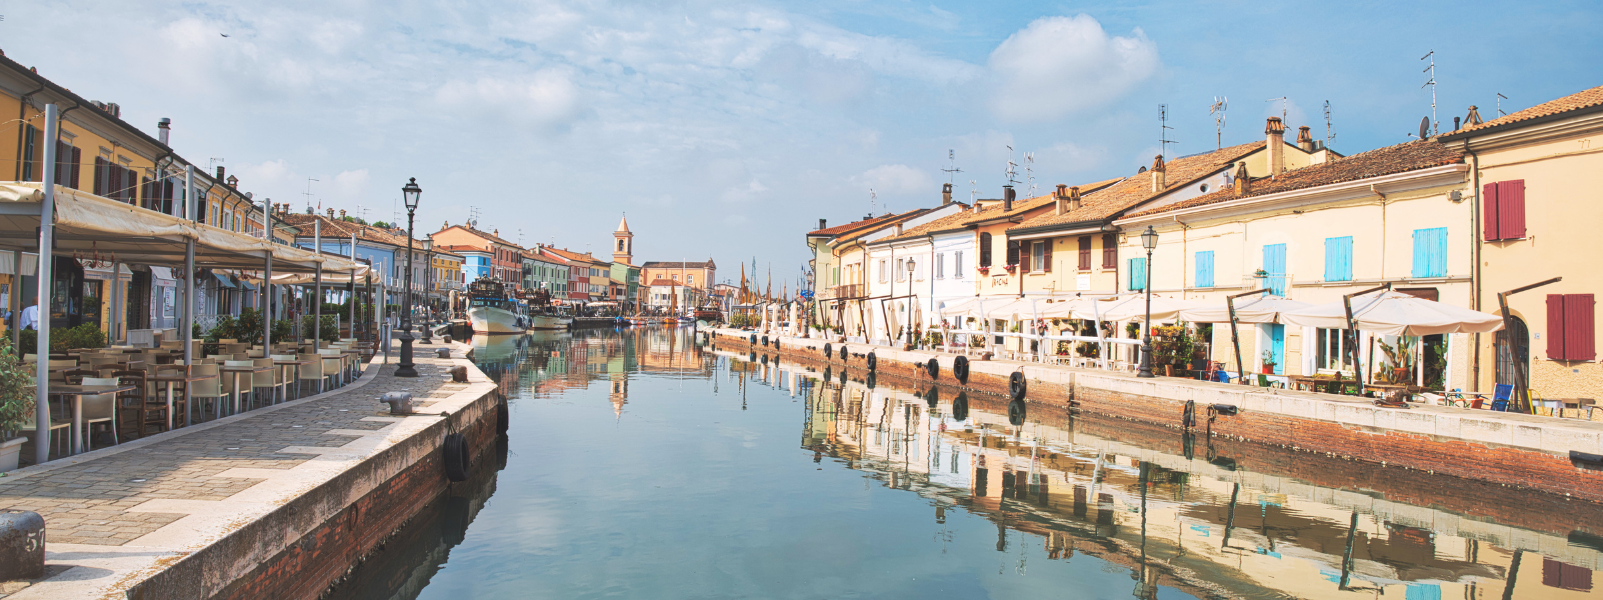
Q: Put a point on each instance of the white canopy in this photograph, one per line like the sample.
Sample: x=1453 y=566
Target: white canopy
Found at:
x=1262 y=309
x=1396 y=313
x=1134 y=308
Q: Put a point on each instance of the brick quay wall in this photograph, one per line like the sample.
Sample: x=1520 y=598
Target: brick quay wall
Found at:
x=1521 y=451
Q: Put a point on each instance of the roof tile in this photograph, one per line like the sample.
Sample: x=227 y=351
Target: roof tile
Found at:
x=1131 y=192
x=1579 y=100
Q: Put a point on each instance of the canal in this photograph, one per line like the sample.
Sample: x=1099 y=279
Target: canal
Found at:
x=644 y=464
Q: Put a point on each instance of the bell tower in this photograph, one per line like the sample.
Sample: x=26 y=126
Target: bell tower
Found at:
x=623 y=243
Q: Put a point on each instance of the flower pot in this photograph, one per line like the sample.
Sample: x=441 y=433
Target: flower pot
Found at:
x=1269 y=369
x=10 y=452
x=1168 y=370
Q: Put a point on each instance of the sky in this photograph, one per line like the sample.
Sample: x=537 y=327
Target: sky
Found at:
x=725 y=130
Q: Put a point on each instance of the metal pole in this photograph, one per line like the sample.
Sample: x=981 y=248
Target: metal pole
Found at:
x=116 y=278
x=47 y=226
x=267 y=296
x=351 y=288
x=16 y=300
x=317 y=283
x=1146 y=340
x=188 y=320
x=405 y=368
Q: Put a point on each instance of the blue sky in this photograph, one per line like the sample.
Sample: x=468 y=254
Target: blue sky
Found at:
x=728 y=129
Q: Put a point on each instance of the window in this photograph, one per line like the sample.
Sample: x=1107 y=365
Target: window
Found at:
x=1110 y=251
x=1330 y=350
x=1571 y=326
x=31 y=153
x=1504 y=214
x=957 y=265
x=1041 y=256
x=1138 y=274
x=1205 y=268
x=690 y=279
x=940 y=265
x=882 y=273
x=1274 y=264
x=1085 y=253
x=1339 y=258
x=1013 y=254
x=1430 y=252
x=67 y=158
x=985 y=250
x=901 y=266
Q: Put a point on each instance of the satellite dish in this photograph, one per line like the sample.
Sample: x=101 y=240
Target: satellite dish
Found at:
x=1424 y=127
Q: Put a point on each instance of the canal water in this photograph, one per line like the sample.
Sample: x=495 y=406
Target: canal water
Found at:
x=647 y=464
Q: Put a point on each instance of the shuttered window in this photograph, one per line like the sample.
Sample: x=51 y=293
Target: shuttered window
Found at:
x=67 y=165
x=1274 y=264
x=985 y=249
x=1013 y=253
x=1138 y=274
x=957 y=265
x=1085 y=253
x=940 y=265
x=31 y=153
x=1020 y=257
x=1339 y=258
x=1110 y=251
x=1205 y=268
x=1430 y=252
x=1571 y=326
x=1503 y=214
x=1046 y=255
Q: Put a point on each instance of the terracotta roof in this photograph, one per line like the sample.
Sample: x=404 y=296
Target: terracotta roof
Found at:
x=1415 y=155
x=1586 y=99
x=884 y=222
x=571 y=255
x=838 y=229
x=663 y=282
x=676 y=265
x=461 y=248
x=1131 y=192
x=483 y=234
x=335 y=229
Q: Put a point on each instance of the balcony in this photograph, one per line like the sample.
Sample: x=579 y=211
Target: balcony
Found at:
x=854 y=290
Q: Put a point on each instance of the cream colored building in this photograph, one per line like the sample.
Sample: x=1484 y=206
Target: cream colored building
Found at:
x=1537 y=211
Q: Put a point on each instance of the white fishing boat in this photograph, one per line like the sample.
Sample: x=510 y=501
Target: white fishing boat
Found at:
x=491 y=311
x=549 y=322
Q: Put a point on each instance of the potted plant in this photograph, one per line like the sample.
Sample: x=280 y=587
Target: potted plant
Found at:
x=1011 y=268
x=16 y=405
x=1268 y=363
x=983 y=269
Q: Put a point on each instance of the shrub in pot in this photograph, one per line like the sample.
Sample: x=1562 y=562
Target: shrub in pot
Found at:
x=16 y=404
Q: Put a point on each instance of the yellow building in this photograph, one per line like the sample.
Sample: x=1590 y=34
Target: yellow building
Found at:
x=448 y=275
x=1535 y=214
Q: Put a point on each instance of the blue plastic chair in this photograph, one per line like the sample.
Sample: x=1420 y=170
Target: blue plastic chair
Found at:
x=1501 y=395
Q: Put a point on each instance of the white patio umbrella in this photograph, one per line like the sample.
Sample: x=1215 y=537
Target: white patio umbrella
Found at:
x=1264 y=309
x=1396 y=313
x=1164 y=308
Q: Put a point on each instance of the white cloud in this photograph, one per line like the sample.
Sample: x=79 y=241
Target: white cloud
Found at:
x=744 y=193
x=895 y=179
x=1058 y=66
x=547 y=98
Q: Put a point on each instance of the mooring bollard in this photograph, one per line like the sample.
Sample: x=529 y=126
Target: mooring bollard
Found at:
x=442 y=353
x=400 y=402
x=447 y=339
x=459 y=374
x=22 y=545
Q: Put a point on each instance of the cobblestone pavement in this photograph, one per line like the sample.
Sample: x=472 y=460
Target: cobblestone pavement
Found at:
x=89 y=501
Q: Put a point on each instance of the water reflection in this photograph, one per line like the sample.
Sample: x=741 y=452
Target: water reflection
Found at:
x=644 y=464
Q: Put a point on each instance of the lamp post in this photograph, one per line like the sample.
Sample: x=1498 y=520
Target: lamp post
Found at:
x=1149 y=240
x=909 y=324
x=428 y=286
x=410 y=192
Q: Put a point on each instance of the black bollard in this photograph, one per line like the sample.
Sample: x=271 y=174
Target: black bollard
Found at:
x=22 y=546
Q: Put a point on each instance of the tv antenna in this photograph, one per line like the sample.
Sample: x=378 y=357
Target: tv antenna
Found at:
x=1283 y=104
x=973 y=190
x=1329 y=135
x=871 y=200
x=1500 y=99
x=308 y=192
x=1163 y=129
x=1029 y=171
x=473 y=217
x=1012 y=167
x=1217 y=109
x=1432 y=83
x=952 y=170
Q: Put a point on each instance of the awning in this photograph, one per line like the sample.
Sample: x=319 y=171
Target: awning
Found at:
x=223 y=281
x=245 y=284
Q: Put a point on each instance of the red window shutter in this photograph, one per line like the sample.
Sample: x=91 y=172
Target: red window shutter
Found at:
x=63 y=154
x=1023 y=256
x=1046 y=256
x=100 y=176
x=1085 y=253
x=1555 y=326
x=77 y=165
x=1580 y=327
x=1489 y=211
x=1110 y=251
x=1511 y=209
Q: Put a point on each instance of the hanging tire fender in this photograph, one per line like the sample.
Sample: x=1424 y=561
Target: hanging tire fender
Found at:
x=455 y=455
x=828 y=350
x=1016 y=387
x=933 y=367
x=873 y=361
x=960 y=368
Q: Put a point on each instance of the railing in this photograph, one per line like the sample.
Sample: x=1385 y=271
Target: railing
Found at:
x=854 y=290
x=1277 y=283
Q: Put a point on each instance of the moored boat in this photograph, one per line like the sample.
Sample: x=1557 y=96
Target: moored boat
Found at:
x=490 y=310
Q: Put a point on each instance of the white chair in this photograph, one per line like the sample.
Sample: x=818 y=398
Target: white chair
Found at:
x=278 y=371
x=312 y=370
x=99 y=408
x=333 y=364
x=244 y=380
x=206 y=388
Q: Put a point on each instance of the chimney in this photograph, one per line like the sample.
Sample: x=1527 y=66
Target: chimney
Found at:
x=342 y=214
x=1455 y=123
x=330 y=211
x=1305 y=140
x=1060 y=200
x=1276 y=131
x=163 y=128
x=822 y=224
x=946 y=194
x=1074 y=198
x=1157 y=173
x=898 y=229
x=1243 y=180
x=1007 y=197
x=221 y=173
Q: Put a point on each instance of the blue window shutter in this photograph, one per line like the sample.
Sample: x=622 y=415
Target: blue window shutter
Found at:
x=1430 y=252
x=1274 y=263
x=1205 y=269
x=1347 y=259
x=1339 y=258
x=1440 y=249
x=1138 y=273
x=1420 y=258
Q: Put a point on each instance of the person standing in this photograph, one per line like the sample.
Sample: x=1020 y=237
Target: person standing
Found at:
x=30 y=316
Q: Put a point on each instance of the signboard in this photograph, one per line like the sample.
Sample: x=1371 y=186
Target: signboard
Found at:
x=1082 y=282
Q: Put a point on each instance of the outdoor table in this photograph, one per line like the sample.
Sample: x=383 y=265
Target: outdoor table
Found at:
x=78 y=392
x=1388 y=389
x=238 y=371
x=171 y=379
x=1307 y=383
x=288 y=366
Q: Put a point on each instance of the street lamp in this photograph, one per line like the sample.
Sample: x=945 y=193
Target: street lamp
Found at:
x=410 y=193
x=909 y=324
x=1149 y=240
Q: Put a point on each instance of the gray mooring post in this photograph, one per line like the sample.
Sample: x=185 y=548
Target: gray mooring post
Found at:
x=47 y=234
